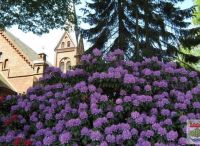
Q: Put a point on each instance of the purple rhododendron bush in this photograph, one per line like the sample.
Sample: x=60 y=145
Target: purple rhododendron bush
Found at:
x=106 y=101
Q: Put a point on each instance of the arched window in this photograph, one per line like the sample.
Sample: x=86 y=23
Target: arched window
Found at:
x=68 y=44
x=62 y=65
x=38 y=70
x=6 y=63
x=65 y=64
x=68 y=65
x=62 y=45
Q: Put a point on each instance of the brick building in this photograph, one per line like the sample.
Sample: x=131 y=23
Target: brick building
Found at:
x=21 y=67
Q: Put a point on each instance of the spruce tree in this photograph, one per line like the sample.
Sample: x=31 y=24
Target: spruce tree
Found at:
x=108 y=21
x=141 y=28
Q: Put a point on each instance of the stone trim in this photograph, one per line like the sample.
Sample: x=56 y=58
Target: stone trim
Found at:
x=22 y=55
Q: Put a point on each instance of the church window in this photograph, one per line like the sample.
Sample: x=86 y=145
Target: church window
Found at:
x=62 y=65
x=68 y=44
x=62 y=45
x=38 y=70
x=68 y=65
x=65 y=64
x=6 y=63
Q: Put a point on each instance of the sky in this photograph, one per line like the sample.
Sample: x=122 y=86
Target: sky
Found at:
x=46 y=43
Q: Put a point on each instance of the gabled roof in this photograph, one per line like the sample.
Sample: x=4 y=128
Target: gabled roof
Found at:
x=65 y=33
x=4 y=83
x=29 y=52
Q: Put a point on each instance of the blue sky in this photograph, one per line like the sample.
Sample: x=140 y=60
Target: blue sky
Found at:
x=47 y=42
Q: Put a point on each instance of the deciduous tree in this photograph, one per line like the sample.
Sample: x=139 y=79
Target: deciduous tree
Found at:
x=38 y=16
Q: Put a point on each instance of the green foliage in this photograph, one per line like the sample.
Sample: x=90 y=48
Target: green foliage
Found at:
x=189 y=58
x=196 y=18
x=38 y=16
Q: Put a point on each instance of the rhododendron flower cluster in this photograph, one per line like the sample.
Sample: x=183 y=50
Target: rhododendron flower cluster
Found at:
x=106 y=101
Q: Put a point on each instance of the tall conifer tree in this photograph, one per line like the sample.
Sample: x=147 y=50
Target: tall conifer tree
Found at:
x=141 y=28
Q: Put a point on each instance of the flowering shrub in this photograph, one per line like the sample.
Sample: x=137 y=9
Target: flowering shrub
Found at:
x=105 y=102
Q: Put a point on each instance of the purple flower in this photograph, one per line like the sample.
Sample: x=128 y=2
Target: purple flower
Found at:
x=95 y=136
x=126 y=134
x=139 y=120
x=104 y=143
x=119 y=101
x=183 y=119
x=191 y=116
x=10 y=136
x=73 y=123
x=150 y=120
x=147 y=88
x=110 y=115
x=99 y=122
x=161 y=131
x=65 y=137
x=83 y=115
x=96 y=111
x=122 y=92
x=39 y=125
x=119 y=139
x=169 y=70
x=182 y=141
x=26 y=127
x=144 y=143
x=127 y=99
x=154 y=111
x=183 y=79
x=83 y=106
x=86 y=58
x=168 y=122
x=38 y=143
x=136 y=88
x=119 y=108
x=129 y=78
x=48 y=116
x=59 y=127
x=85 y=131
x=104 y=98
x=33 y=97
x=147 y=72
x=196 y=105
x=134 y=131
x=81 y=86
x=159 y=144
x=135 y=115
x=96 y=52
x=165 y=112
x=156 y=73
x=48 y=140
x=92 y=88
x=149 y=133
x=110 y=138
x=193 y=74
x=172 y=135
